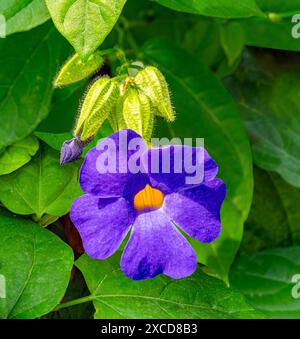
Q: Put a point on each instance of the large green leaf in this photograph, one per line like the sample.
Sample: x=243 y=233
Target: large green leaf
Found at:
x=28 y=63
x=266 y=279
x=23 y=15
x=273 y=31
x=18 y=154
x=36 y=265
x=206 y=110
x=274 y=219
x=199 y=296
x=217 y=8
x=267 y=90
x=85 y=23
x=41 y=187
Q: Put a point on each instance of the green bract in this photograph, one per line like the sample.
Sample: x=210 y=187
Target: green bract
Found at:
x=97 y=105
x=151 y=81
x=136 y=112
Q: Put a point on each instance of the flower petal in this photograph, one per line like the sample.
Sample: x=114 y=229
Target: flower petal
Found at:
x=155 y=247
x=102 y=223
x=197 y=210
x=172 y=168
x=95 y=176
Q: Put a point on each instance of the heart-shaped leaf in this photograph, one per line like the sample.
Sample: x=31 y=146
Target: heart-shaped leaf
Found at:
x=85 y=23
x=36 y=267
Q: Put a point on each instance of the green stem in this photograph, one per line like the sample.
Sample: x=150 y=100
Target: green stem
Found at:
x=288 y=14
x=74 y=302
x=283 y=15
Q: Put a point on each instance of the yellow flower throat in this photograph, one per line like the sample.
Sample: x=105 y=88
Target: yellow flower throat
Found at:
x=148 y=199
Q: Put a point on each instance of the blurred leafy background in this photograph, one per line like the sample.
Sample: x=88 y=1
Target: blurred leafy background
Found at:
x=234 y=72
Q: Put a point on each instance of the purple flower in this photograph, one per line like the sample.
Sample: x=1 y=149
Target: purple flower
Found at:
x=151 y=205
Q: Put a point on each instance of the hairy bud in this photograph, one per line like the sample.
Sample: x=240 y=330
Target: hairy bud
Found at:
x=151 y=81
x=135 y=112
x=97 y=106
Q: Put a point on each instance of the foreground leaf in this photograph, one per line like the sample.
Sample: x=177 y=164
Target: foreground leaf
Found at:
x=28 y=66
x=217 y=8
x=41 y=187
x=274 y=219
x=36 y=265
x=23 y=15
x=199 y=296
x=206 y=110
x=266 y=280
x=85 y=23
x=18 y=154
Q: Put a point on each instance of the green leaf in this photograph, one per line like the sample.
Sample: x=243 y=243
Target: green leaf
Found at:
x=266 y=280
x=41 y=187
x=85 y=23
x=267 y=34
x=75 y=70
x=18 y=154
x=267 y=90
x=206 y=110
x=232 y=40
x=54 y=140
x=216 y=8
x=274 y=219
x=199 y=296
x=23 y=15
x=36 y=265
x=28 y=66
x=274 y=31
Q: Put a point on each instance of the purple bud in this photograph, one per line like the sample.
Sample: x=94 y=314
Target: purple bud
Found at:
x=71 y=150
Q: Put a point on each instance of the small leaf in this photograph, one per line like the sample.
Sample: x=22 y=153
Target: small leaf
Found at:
x=85 y=23
x=198 y=296
x=75 y=69
x=232 y=41
x=41 y=187
x=18 y=154
x=36 y=265
x=266 y=279
x=23 y=15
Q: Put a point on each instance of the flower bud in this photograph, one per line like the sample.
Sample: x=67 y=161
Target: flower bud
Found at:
x=75 y=69
x=151 y=81
x=97 y=105
x=137 y=113
x=71 y=151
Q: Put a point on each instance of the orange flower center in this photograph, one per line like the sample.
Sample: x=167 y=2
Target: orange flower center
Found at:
x=148 y=199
